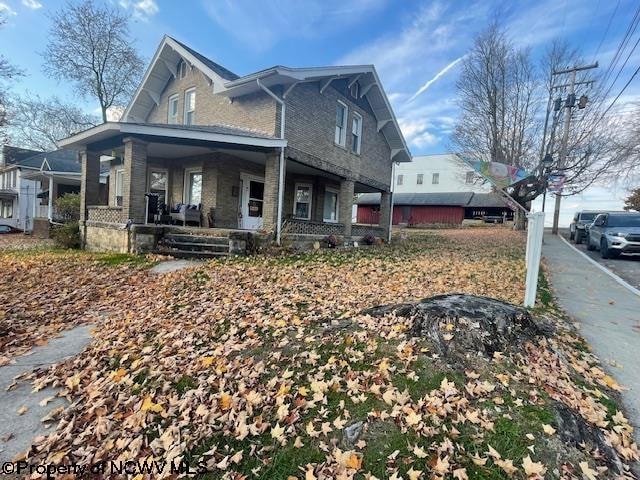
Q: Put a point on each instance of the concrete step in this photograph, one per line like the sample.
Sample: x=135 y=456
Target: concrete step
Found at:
x=190 y=254
x=186 y=238
x=194 y=246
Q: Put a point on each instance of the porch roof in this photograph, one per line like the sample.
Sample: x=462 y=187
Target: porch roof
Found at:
x=213 y=135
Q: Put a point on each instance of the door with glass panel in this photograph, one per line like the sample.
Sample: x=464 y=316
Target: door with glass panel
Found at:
x=330 y=210
x=252 y=201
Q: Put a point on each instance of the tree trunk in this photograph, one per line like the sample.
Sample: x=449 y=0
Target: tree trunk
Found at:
x=519 y=220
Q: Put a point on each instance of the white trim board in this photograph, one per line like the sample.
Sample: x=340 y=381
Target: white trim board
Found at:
x=618 y=280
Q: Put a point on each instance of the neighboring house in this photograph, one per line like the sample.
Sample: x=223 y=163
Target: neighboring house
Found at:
x=435 y=189
x=17 y=194
x=30 y=181
x=282 y=150
x=434 y=208
x=440 y=173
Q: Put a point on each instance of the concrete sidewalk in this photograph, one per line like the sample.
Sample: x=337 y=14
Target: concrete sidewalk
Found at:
x=608 y=315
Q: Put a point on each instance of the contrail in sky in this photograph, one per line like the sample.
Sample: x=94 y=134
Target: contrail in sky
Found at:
x=434 y=79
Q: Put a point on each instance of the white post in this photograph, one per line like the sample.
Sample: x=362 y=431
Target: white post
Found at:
x=50 y=206
x=534 y=252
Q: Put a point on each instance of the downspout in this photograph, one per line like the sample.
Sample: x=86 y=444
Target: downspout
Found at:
x=281 y=166
x=391 y=190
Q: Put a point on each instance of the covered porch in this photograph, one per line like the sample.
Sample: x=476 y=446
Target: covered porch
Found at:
x=203 y=177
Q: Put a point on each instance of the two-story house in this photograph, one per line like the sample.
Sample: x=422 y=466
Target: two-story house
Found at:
x=436 y=189
x=282 y=150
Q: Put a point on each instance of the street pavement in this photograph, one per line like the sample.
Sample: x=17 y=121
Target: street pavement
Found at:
x=608 y=315
x=626 y=267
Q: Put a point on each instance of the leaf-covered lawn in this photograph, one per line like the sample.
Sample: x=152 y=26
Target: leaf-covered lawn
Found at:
x=259 y=367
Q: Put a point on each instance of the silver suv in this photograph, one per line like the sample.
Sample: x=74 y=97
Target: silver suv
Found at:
x=615 y=233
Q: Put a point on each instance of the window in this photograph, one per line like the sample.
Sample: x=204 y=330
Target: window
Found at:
x=158 y=184
x=420 y=179
x=435 y=179
x=173 y=109
x=189 y=106
x=302 y=201
x=400 y=179
x=470 y=177
x=182 y=69
x=119 y=186
x=330 y=210
x=193 y=187
x=354 y=90
x=341 y=124
x=356 y=133
x=6 y=208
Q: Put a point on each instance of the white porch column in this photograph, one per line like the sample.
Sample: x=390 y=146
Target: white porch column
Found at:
x=50 y=205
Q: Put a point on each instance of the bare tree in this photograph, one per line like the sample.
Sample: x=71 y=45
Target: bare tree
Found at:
x=39 y=123
x=497 y=94
x=89 y=45
x=7 y=73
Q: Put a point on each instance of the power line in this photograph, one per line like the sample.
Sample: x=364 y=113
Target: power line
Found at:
x=621 y=91
x=604 y=36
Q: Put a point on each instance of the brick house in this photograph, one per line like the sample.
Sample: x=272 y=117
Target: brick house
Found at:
x=281 y=151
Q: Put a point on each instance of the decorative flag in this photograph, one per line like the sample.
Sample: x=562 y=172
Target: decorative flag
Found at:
x=555 y=183
x=500 y=174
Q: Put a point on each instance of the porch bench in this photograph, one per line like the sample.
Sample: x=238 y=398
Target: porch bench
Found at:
x=187 y=215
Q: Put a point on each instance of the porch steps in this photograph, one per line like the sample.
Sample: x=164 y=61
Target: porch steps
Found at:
x=182 y=245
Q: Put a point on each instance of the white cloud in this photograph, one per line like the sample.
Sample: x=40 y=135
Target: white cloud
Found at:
x=6 y=9
x=141 y=9
x=261 y=25
x=32 y=4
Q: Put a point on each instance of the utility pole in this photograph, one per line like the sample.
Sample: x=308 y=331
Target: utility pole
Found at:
x=569 y=104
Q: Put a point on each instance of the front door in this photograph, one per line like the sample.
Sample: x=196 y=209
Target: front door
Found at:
x=252 y=202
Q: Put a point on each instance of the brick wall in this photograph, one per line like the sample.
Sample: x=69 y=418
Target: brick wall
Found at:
x=135 y=180
x=310 y=129
x=255 y=111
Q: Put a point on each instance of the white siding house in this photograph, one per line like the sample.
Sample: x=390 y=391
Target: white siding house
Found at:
x=440 y=173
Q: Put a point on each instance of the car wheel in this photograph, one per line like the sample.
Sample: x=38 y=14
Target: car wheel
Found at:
x=572 y=235
x=589 y=244
x=578 y=238
x=605 y=251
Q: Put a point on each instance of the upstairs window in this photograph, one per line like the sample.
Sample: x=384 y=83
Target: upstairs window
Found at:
x=420 y=179
x=189 y=106
x=173 y=109
x=354 y=90
x=469 y=178
x=341 y=124
x=400 y=179
x=435 y=179
x=356 y=133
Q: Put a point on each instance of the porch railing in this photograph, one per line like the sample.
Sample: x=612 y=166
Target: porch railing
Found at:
x=305 y=227
x=105 y=214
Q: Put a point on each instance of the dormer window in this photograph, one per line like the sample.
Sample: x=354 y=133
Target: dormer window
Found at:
x=182 y=69
x=354 y=90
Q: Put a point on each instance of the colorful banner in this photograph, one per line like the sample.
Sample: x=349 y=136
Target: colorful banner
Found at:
x=555 y=183
x=500 y=174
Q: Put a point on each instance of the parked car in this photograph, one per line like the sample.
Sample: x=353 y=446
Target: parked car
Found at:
x=615 y=233
x=577 y=228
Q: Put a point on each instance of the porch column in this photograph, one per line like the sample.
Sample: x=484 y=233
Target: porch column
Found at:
x=346 y=206
x=385 y=213
x=135 y=180
x=89 y=181
x=270 y=201
x=50 y=202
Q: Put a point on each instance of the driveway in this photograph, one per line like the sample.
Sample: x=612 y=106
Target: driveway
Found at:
x=626 y=267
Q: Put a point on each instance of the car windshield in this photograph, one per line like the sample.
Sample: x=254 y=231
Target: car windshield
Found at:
x=587 y=216
x=624 y=221
x=4 y=229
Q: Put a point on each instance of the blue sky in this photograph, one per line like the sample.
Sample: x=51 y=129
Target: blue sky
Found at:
x=413 y=44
